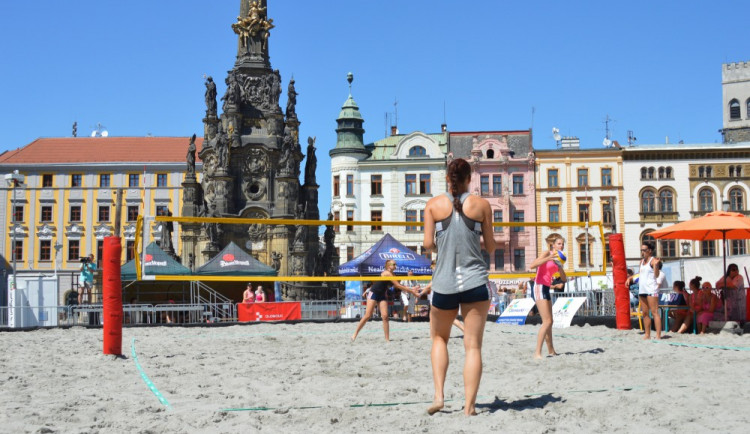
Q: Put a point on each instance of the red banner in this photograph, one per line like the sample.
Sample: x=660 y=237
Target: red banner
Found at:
x=285 y=311
x=619 y=275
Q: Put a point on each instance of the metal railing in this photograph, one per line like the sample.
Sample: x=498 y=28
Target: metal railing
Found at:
x=220 y=308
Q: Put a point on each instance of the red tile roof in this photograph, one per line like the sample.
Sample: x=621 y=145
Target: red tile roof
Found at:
x=102 y=150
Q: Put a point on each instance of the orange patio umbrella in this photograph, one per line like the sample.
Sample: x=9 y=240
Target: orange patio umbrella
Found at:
x=716 y=225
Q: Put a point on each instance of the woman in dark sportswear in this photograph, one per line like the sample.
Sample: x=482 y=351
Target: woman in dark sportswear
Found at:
x=453 y=225
x=377 y=296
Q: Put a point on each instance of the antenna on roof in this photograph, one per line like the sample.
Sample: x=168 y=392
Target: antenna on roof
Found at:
x=607 y=142
x=556 y=135
x=100 y=131
x=395 y=110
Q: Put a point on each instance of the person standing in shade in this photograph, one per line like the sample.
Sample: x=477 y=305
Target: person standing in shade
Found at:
x=86 y=284
x=248 y=296
x=648 y=291
x=377 y=296
x=546 y=266
x=454 y=223
x=260 y=295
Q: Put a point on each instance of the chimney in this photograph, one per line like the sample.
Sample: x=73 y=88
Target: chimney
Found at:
x=443 y=127
x=394 y=130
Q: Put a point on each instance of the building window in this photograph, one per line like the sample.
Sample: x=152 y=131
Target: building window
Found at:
x=350 y=185
x=46 y=180
x=104 y=180
x=651 y=173
x=376 y=185
x=666 y=201
x=606 y=177
x=18 y=250
x=731 y=171
x=75 y=213
x=668 y=248
x=706 y=200
x=661 y=173
x=708 y=248
x=607 y=253
x=424 y=183
x=411 y=183
x=584 y=249
x=129 y=250
x=484 y=185
x=499 y=259
x=161 y=179
x=336 y=186
x=417 y=151
x=349 y=253
x=497 y=185
x=133 y=180
x=554 y=213
x=607 y=215
x=517 y=184
x=74 y=250
x=647 y=237
x=99 y=251
x=497 y=217
x=411 y=216
x=376 y=216
x=648 y=201
x=46 y=214
x=162 y=210
x=583 y=212
x=132 y=213
x=518 y=217
x=552 y=181
x=18 y=214
x=519 y=259
x=76 y=180
x=104 y=213
x=738 y=247
x=336 y=217
x=736 y=200
x=45 y=250
x=350 y=218
x=583 y=177
x=734 y=109
x=490 y=154
x=644 y=173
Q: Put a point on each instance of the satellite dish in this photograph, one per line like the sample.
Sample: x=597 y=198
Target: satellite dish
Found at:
x=556 y=134
x=93 y=133
x=105 y=133
x=606 y=142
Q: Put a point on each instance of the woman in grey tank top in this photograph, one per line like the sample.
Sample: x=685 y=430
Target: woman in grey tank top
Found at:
x=453 y=224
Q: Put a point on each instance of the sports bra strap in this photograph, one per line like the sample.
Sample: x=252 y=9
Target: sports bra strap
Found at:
x=473 y=225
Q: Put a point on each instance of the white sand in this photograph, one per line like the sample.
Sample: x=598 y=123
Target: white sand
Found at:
x=605 y=380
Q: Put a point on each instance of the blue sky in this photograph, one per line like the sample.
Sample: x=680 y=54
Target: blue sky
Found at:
x=137 y=66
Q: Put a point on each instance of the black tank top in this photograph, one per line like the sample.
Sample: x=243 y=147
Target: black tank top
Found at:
x=379 y=287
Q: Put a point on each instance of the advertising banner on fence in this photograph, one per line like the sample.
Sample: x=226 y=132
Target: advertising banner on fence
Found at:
x=565 y=309
x=516 y=312
x=287 y=311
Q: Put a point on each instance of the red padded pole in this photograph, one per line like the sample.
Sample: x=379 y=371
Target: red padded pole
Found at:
x=619 y=275
x=112 y=296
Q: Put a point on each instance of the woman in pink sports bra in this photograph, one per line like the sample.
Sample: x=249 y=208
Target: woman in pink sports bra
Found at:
x=260 y=295
x=546 y=266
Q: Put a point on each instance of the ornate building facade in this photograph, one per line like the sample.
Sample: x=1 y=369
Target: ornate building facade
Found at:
x=735 y=90
x=502 y=165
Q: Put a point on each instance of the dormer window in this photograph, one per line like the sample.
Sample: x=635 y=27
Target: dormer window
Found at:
x=417 y=151
x=490 y=154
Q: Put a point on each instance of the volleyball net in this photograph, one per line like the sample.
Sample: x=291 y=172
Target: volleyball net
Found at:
x=263 y=250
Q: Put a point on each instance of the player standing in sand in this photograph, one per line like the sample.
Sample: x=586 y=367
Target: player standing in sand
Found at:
x=377 y=296
x=453 y=225
x=549 y=263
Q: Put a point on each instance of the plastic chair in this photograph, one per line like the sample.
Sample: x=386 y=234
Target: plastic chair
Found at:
x=639 y=314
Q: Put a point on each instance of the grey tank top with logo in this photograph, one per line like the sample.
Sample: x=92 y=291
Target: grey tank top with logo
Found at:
x=460 y=266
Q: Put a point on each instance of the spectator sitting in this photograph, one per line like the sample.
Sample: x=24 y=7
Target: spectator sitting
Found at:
x=733 y=286
x=558 y=285
x=705 y=303
x=683 y=319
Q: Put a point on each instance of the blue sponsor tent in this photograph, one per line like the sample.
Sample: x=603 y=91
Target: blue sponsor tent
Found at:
x=372 y=262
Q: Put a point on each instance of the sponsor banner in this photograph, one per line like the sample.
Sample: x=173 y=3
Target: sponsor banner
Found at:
x=353 y=290
x=228 y=260
x=285 y=311
x=516 y=312
x=565 y=309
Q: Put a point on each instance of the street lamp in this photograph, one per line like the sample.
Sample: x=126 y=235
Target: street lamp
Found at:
x=14 y=180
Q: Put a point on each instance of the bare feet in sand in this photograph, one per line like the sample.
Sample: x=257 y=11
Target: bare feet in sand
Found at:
x=538 y=357
x=436 y=406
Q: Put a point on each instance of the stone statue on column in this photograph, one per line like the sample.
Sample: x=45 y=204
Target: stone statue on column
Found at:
x=210 y=96
x=191 y=158
x=312 y=162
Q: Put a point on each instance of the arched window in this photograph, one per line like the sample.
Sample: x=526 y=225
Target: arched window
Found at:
x=417 y=151
x=747 y=107
x=731 y=171
x=734 y=109
x=648 y=201
x=701 y=171
x=646 y=237
x=706 y=200
x=490 y=154
x=666 y=201
x=668 y=172
x=708 y=171
x=643 y=172
x=736 y=200
x=661 y=173
x=650 y=173
x=738 y=171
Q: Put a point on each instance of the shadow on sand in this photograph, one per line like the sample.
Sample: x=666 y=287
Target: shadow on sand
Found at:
x=527 y=403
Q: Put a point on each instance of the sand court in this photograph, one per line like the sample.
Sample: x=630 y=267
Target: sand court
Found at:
x=308 y=377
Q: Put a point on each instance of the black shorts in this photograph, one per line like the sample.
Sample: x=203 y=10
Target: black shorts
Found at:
x=452 y=301
x=377 y=296
x=541 y=292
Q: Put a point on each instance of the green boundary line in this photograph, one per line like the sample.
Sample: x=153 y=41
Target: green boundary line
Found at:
x=145 y=378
